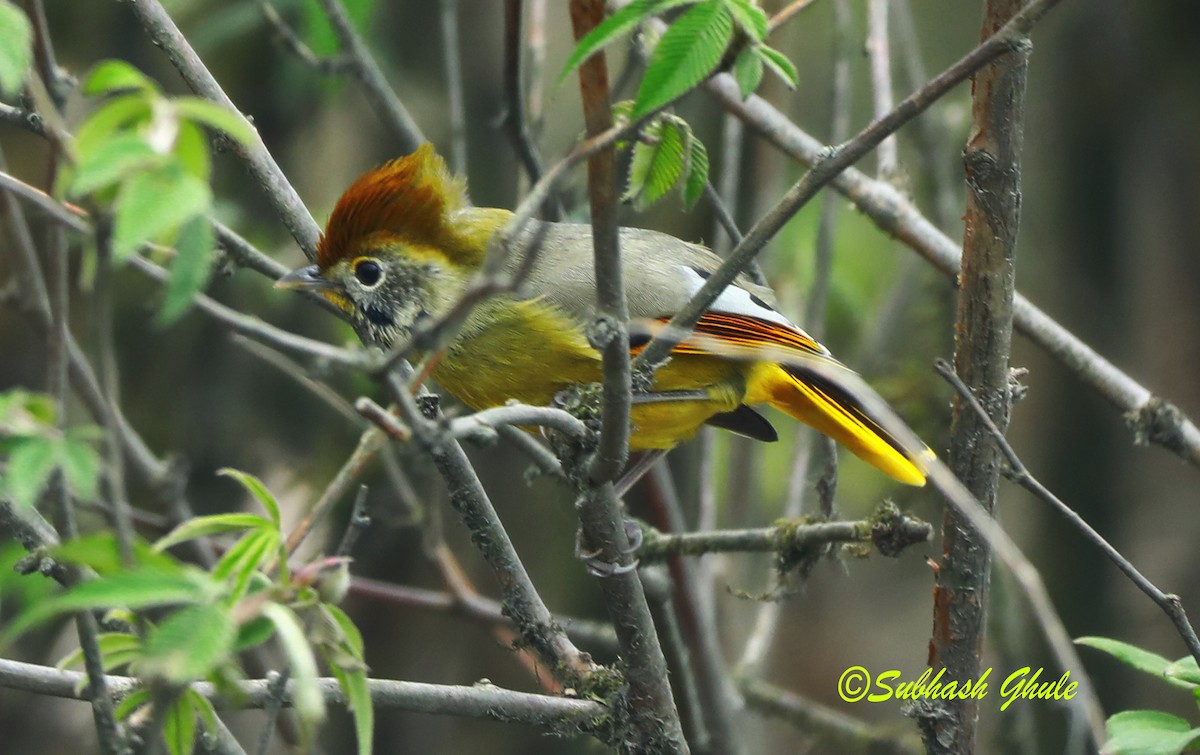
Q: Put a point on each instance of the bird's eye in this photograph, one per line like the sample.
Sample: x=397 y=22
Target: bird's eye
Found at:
x=368 y=272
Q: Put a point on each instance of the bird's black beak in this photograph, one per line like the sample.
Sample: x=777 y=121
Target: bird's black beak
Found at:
x=306 y=278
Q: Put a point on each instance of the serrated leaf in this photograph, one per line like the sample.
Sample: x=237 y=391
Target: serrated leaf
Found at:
x=141 y=588
x=613 y=27
x=750 y=17
x=307 y=696
x=1148 y=732
x=152 y=203
x=179 y=727
x=779 y=63
x=696 y=175
x=242 y=562
x=30 y=464
x=191 y=149
x=353 y=682
x=257 y=489
x=16 y=47
x=659 y=165
x=81 y=466
x=217 y=117
x=111 y=161
x=747 y=71
x=114 y=75
x=189 y=269
x=687 y=53
x=213 y=524
x=189 y=644
x=118 y=112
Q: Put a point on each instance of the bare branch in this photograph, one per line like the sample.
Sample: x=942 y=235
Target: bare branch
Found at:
x=1019 y=473
x=403 y=129
x=163 y=31
x=479 y=701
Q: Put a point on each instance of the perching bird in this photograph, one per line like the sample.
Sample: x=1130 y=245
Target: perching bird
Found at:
x=403 y=243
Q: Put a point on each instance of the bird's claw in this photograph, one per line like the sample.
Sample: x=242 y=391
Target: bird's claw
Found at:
x=597 y=566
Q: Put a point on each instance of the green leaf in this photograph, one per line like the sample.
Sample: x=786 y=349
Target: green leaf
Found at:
x=307 y=696
x=347 y=628
x=191 y=149
x=214 y=524
x=81 y=466
x=1132 y=655
x=132 y=702
x=204 y=710
x=16 y=47
x=116 y=649
x=215 y=116
x=608 y=30
x=750 y=17
x=696 y=174
x=153 y=203
x=748 y=71
x=1184 y=670
x=779 y=63
x=30 y=465
x=656 y=167
x=114 y=75
x=257 y=489
x=179 y=726
x=1148 y=732
x=353 y=682
x=189 y=644
x=254 y=633
x=111 y=161
x=189 y=269
x=142 y=588
x=114 y=114
x=687 y=53
x=241 y=562
x=101 y=552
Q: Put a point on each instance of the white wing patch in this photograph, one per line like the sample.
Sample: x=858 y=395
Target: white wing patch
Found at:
x=734 y=300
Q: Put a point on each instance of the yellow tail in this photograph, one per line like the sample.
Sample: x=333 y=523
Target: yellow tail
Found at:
x=822 y=404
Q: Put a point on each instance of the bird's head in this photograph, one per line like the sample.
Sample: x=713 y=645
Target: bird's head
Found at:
x=394 y=249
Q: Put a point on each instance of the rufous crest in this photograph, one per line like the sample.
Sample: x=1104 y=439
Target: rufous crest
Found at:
x=410 y=199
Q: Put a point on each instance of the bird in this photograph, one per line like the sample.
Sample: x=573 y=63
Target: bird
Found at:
x=403 y=243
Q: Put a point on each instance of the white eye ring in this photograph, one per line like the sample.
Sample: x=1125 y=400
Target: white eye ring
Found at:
x=368 y=272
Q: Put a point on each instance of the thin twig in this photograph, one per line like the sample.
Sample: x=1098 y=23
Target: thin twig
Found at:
x=382 y=98
x=826 y=730
x=1019 y=473
x=330 y=66
x=879 y=53
x=1154 y=419
x=21 y=118
x=515 y=111
x=786 y=14
x=826 y=170
x=452 y=55
x=889 y=534
x=163 y=31
x=719 y=699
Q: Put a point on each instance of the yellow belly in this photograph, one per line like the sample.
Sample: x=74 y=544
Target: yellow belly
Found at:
x=530 y=351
